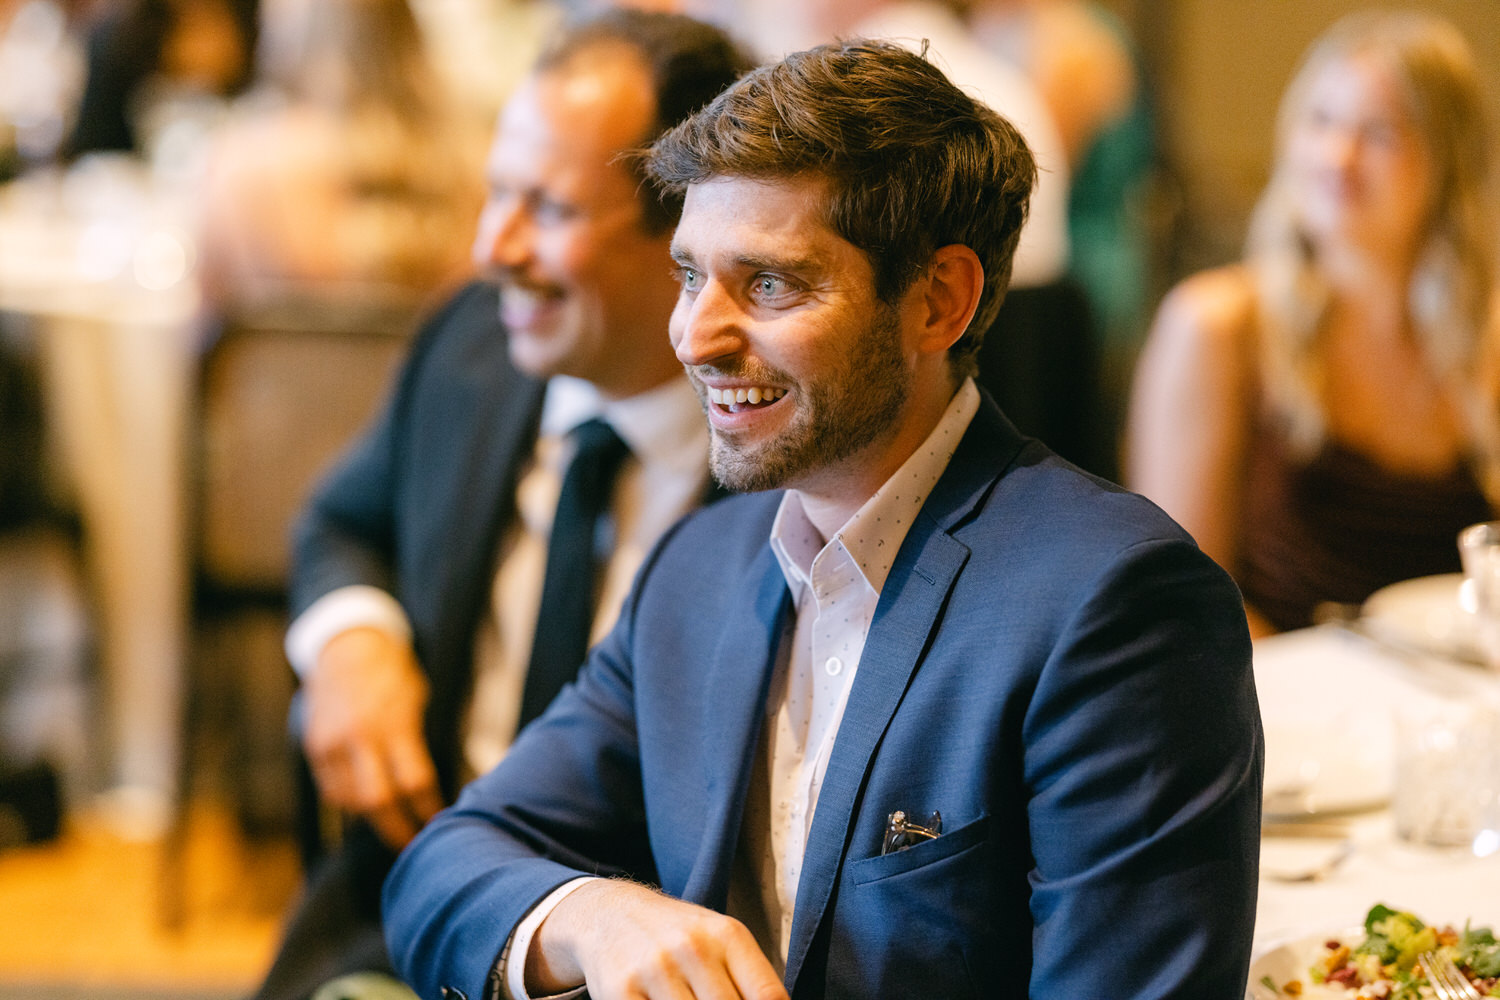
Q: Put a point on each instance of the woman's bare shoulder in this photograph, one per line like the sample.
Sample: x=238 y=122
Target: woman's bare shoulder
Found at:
x=1214 y=308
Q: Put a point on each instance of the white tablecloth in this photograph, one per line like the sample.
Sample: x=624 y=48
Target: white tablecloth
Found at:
x=1348 y=692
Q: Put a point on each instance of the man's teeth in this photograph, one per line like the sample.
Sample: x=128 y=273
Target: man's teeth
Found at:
x=758 y=394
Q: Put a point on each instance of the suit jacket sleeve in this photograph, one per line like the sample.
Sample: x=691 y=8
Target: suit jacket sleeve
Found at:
x=566 y=801
x=346 y=534
x=626 y=739
x=1143 y=760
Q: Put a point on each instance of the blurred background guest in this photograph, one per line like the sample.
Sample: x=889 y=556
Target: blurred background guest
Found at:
x=425 y=569
x=41 y=75
x=1322 y=416
x=145 y=53
x=348 y=163
x=1083 y=62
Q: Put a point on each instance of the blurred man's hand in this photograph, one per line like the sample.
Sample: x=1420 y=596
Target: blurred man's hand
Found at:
x=363 y=736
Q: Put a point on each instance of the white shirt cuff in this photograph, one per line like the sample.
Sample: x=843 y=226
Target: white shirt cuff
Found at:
x=337 y=611
x=513 y=974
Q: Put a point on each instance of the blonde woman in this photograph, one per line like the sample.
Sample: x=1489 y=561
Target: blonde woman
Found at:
x=349 y=164
x=1322 y=416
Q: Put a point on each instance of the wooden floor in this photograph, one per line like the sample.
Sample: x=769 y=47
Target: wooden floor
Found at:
x=87 y=917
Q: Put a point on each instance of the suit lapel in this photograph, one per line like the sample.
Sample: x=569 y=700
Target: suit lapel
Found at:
x=504 y=439
x=733 y=715
x=501 y=434
x=904 y=625
x=485 y=500
x=476 y=440
x=904 y=620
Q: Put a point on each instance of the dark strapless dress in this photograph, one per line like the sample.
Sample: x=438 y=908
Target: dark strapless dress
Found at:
x=1340 y=527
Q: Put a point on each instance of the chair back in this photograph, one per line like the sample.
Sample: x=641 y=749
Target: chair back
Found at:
x=283 y=389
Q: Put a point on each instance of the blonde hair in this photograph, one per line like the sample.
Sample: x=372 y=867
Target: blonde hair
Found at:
x=1450 y=296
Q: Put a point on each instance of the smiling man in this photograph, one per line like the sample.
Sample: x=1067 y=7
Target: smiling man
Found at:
x=929 y=713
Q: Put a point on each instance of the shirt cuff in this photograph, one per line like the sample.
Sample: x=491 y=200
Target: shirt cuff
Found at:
x=513 y=976
x=358 y=606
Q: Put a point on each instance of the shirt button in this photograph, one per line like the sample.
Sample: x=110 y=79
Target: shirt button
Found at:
x=834 y=666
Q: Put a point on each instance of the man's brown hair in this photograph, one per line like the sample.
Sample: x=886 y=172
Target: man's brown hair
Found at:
x=912 y=162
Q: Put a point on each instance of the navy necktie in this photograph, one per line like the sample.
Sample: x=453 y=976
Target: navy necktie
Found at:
x=574 y=567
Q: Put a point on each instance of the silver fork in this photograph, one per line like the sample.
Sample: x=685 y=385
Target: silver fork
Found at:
x=1446 y=979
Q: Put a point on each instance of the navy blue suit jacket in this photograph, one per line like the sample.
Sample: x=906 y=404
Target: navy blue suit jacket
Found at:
x=1053 y=665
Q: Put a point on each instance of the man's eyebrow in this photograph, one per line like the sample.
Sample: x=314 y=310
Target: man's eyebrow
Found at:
x=798 y=263
x=804 y=263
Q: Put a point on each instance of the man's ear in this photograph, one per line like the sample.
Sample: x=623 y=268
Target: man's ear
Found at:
x=951 y=286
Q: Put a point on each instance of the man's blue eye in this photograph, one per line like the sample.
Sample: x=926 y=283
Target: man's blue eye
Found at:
x=688 y=278
x=549 y=212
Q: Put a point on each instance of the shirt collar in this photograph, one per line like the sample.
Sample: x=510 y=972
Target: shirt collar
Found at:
x=664 y=427
x=874 y=534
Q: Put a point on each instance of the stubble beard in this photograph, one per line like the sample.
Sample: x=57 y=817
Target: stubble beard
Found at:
x=838 y=415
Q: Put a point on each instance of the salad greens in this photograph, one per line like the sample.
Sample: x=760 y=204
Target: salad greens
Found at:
x=1385 y=964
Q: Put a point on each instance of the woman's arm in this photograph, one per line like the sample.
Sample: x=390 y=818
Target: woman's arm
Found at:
x=1193 y=410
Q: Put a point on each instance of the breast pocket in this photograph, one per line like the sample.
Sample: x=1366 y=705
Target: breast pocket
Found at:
x=929 y=852
x=910 y=923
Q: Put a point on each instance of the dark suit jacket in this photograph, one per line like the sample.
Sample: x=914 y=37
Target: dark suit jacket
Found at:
x=417 y=504
x=1052 y=664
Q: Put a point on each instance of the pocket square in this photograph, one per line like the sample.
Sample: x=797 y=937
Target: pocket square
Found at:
x=903 y=830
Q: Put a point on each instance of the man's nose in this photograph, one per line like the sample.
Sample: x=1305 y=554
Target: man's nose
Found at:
x=709 y=325
x=504 y=240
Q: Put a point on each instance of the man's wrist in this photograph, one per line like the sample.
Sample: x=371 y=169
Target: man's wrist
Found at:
x=512 y=975
x=338 y=611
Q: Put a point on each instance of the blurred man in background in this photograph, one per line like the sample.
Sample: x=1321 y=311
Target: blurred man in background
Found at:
x=432 y=585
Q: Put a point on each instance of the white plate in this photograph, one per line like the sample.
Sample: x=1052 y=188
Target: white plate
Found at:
x=1287 y=960
x=1314 y=771
x=1423 y=614
x=1328 y=711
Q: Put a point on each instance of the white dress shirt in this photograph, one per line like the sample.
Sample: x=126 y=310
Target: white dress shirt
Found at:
x=836 y=586
x=664 y=478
